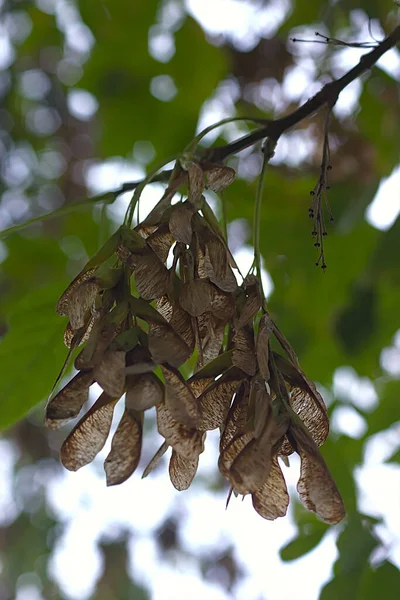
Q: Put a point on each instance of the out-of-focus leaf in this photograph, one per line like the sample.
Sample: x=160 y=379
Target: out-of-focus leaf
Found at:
x=301 y=545
x=31 y=353
x=383 y=582
x=387 y=411
x=357 y=321
x=355 y=545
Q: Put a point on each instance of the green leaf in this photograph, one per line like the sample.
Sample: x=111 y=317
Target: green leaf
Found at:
x=387 y=411
x=383 y=582
x=31 y=353
x=301 y=545
x=395 y=458
x=355 y=545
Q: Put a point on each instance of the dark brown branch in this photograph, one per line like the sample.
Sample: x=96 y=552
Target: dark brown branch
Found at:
x=327 y=96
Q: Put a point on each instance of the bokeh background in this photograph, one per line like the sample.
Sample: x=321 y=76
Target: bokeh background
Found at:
x=95 y=93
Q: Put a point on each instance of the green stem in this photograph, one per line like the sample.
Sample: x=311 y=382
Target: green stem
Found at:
x=107 y=198
x=140 y=187
x=268 y=152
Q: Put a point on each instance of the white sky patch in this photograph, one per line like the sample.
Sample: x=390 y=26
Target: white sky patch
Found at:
x=82 y=104
x=390 y=357
x=244 y=259
x=380 y=485
x=7 y=54
x=360 y=391
x=347 y=102
x=348 y=421
x=111 y=174
x=385 y=207
x=242 y=22
x=161 y=44
x=390 y=63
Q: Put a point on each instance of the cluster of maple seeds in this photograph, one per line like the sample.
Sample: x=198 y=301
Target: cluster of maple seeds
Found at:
x=141 y=320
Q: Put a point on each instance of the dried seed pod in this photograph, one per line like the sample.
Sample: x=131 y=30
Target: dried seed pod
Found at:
x=232 y=450
x=151 y=275
x=222 y=305
x=195 y=297
x=305 y=400
x=179 y=398
x=215 y=400
x=139 y=361
x=77 y=337
x=143 y=391
x=182 y=470
x=185 y=440
x=160 y=241
x=64 y=302
x=262 y=347
x=260 y=405
x=316 y=488
x=155 y=460
x=250 y=302
x=178 y=319
x=81 y=302
x=67 y=404
x=211 y=335
x=89 y=435
x=166 y=345
x=103 y=333
x=218 y=177
x=271 y=500
x=237 y=418
x=196 y=184
x=110 y=373
x=250 y=469
x=126 y=448
x=216 y=265
x=180 y=222
x=244 y=356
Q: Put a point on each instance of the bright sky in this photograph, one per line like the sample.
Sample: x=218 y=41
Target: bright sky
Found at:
x=89 y=509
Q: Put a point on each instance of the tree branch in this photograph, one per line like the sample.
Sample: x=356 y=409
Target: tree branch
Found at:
x=326 y=96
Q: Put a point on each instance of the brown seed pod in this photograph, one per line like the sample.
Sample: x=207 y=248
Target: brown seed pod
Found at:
x=110 y=373
x=244 y=356
x=126 y=448
x=166 y=345
x=182 y=470
x=316 y=488
x=180 y=222
x=218 y=177
x=179 y=398
x=67 y=404
x=185 y=440
x=143 y=391
x=215 y=400
x=64 y=302
x=271 y=500
x=195 y=297
x=196 y=184
x=89 y=435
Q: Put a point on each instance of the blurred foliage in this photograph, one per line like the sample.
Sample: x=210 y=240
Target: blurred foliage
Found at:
x=148 y=108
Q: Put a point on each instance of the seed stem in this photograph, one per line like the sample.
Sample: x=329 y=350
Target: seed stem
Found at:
x=268 y=152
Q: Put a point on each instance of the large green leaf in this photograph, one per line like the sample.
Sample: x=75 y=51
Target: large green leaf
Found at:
x=383 y=582
x=355 y=545
x=31 y=353
x=387 y=411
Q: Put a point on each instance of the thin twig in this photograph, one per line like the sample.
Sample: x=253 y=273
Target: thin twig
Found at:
x=274 y=129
